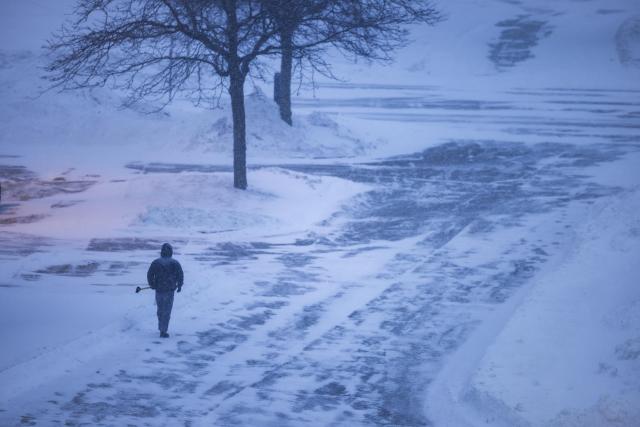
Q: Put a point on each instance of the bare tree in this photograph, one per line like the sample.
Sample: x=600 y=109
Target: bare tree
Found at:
x=370 y=29
x=161 y=48
x=289 y=16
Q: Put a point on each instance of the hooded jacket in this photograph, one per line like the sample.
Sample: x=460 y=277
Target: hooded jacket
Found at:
x=165 y=273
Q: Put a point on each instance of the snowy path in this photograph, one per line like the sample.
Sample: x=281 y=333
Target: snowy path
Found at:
x=347 y=325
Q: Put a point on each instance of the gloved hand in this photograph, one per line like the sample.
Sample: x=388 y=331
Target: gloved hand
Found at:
x=179 y=288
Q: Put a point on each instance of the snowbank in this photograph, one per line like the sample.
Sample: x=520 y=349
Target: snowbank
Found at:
x=99 y=136
x=570 y=356
x=187 y=203
x=566 y=351
x=315 y=135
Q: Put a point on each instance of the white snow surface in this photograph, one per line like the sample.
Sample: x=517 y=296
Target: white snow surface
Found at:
x=565 y=351
x=569 y=354
x=487 y=275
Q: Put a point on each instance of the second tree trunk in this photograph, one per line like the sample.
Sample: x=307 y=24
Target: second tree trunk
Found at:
x=284 y=80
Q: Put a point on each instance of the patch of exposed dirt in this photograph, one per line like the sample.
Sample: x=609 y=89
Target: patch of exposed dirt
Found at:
x=20 y=184
x=81 y=270
x=28 y=219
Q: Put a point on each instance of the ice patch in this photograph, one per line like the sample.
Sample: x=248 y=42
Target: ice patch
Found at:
x=628 y=42
x=517 y=40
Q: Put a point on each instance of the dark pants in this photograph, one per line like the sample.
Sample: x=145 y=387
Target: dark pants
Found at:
x=164 y=301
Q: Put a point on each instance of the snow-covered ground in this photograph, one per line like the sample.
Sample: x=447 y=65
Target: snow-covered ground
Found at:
x=451 y=240
x=564 y=352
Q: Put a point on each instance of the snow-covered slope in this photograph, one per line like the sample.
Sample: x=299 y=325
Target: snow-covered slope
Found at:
x=498 y=44
x=570 y=355
x=564 y=351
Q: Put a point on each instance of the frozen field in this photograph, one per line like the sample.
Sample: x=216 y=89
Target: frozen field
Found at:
x=422 y=248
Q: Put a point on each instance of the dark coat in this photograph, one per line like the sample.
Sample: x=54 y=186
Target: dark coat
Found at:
x=165 y=273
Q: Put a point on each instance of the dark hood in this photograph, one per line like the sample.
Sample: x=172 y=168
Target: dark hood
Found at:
x=166 y=251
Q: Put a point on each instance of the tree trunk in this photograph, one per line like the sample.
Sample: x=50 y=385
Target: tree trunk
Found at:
x=286 y=66
x=276 y=88
x=236 y=90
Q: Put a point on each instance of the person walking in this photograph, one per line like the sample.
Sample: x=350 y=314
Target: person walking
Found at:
x=165 y=276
